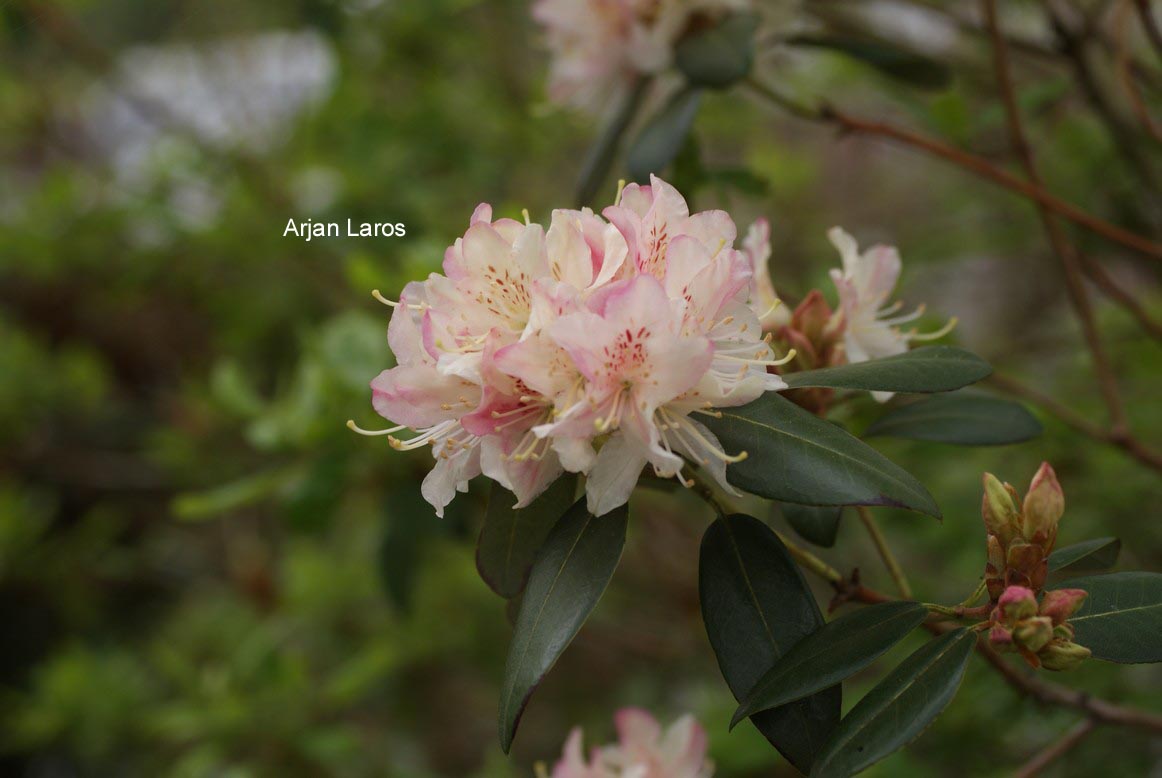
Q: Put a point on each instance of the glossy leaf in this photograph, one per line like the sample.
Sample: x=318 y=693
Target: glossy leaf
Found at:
x=661 y=139
x=1121 y=619
x=832 y=654
x=899 y=708
x=964 y=419
x=927 y=369
x=815 y=524
x=795 y=456
x=893 y=62
x=510 y=538
x=756 y=606
x=718 y=56
x=568 y=577
x=1087 y=556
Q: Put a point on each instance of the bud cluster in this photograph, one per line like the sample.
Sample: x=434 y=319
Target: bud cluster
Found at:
x=1040 y=633
x=1020 y=539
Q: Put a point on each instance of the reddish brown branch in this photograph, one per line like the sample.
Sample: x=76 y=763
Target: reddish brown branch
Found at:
x=1057 y=750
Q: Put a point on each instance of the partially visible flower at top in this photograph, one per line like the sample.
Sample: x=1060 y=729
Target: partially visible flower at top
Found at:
x=600 y=47
x=865 y=317
x=643 y=750
x=586 y=348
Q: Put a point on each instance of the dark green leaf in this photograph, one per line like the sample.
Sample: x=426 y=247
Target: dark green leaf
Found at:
x=1086 y=557
x=568 y=576
x=795 y=456
x=600 y=156
x=833 y=653
x=901 y=65
x=818 y=525
x=510 y=538
x=1121 y=619
x=899 y=708
x=410 y=523
x=661 y=139
x=964 y=419
x=756 y=606
x=718 y=56
x=927 y=369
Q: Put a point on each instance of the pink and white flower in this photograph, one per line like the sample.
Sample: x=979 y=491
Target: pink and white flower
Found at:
x=588 y=348
x=643 y=750
x=600 y=47
x=865 y=318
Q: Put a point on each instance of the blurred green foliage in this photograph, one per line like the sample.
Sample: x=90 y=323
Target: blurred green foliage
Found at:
x=203 y=572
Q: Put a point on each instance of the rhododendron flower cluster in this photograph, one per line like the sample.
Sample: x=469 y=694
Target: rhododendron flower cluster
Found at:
x=590 y=347
x=600 y=47
x=643 y=750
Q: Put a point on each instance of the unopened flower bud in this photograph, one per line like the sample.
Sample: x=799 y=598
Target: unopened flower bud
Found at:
x=999 y=510
x=1063 y=655
x=1001 y=637
x=1060 y=604
x=1044 y=504
x=1063 y=631
x=1033 y=634
x=1017 y=604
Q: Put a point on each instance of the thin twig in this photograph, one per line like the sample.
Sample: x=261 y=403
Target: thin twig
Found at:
x=1057 y=750
x=849 y=123
x=1110 y=288
x=1071 y=418
x=885 y=552
x=1070 y=263
x=1150 y=24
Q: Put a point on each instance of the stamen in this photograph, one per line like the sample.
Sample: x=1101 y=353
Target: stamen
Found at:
x=525 y=213
x=389 y=303
x=620 y=189
x=351 y=425
x=940 y=333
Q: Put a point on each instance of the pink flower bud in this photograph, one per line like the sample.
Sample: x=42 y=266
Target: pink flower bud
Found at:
x=1017 y=604
x=1060 y=604
x=1044 y=504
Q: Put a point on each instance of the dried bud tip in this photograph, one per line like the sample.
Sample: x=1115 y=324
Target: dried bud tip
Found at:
x=1060 y=604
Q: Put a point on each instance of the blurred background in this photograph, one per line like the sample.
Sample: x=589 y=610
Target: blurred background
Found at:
x=204 y=573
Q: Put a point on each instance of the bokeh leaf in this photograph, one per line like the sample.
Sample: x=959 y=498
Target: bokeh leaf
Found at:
x=1086 y=557
x=832 y=654
x=964 y=419
x=661 y=139
x=927 y=369
x=904 y=66
x=1121 y=619
x=795 y=456
x=815 y=524
x=720 y=55
x=568 y=577
x=510 y=538
x=600 y=156
x=756 y=607
x=899 y=708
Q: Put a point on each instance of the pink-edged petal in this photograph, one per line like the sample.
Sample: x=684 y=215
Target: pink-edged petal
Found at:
x=418 y=396
x=637 y=729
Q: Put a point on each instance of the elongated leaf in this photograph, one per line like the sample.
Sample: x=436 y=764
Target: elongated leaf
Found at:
x=567 y=579
x=510 y=538
x=927 y=369
x=905 y=66
x=899 y=708
x=963 y=419
x=797 y=457
x=661 y=139
x=756 y=606
x=832 y=654
x=1121 y=619
x=1088 y=556
x=718 y=56
x=818 y=525
x=600 y=156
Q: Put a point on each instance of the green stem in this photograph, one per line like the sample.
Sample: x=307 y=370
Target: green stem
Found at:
x=889 y=559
